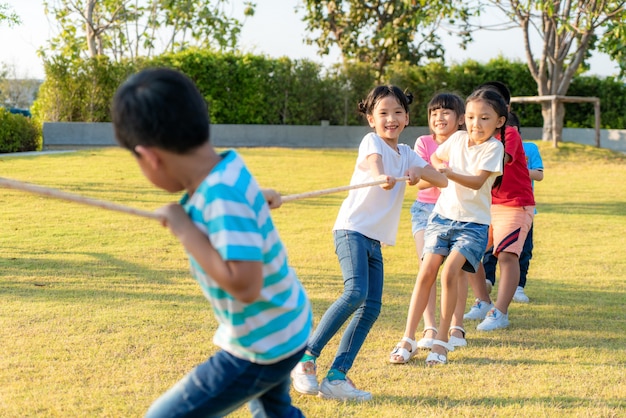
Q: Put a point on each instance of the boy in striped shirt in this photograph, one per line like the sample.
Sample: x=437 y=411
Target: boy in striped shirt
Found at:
x=223 y=222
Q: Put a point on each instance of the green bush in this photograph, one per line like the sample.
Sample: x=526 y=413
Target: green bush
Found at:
x=79 y=90
x=18 y=133
x=254 y=89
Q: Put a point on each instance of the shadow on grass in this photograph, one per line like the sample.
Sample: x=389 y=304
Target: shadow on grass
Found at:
x=99 y=265
x=101 y=277
x=584 y=208
x=560 y=316
x=567 y=405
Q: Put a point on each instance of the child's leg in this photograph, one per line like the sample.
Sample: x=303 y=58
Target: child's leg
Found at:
x=478 y=284
x=490 y=262
x=430 y=325
x=276 y=402
x=419 y=299
x=421 y=292
x=525 y=256
x=366 y=292
x=509 y=278
x=461 y=301
x=353 y=250
x=221 y=385
x=510 y=227
x=450 y=277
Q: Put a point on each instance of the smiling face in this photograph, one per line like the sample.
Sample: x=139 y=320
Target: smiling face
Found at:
x=388 y=119
x=443 y=123
x=481 y=121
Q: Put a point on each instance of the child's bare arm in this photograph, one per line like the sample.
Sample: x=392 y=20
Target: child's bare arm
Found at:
x=430 y=177
x=377 y=170
x=536 y=175
x=437 y=164
x=242 y=279
x=472 y=182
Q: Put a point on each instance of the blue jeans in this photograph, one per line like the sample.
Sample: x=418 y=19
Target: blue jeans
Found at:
x=224 y=383
x=490 y=261
x=361 y=262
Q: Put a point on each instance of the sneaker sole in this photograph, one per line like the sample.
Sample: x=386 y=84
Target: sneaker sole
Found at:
x=325 y=396
x=493 y=328
x=306 y=392
x=473 y=318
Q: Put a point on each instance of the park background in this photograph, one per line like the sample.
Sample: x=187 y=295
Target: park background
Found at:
x=256 y=68
x=99 y=315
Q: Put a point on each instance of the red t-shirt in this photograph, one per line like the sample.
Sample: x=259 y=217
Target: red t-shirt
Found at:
x=516 y=188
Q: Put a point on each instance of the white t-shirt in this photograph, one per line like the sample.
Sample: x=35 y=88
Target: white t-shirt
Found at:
x=372 y=211
x=461 y=203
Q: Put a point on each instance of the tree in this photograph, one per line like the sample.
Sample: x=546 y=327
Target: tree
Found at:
x=379 y=31
x=569 y=30
x=16 y=91
x=8 y=16
x=132 y=28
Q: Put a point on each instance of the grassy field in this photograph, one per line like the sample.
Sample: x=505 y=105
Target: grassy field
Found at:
x=99 y=315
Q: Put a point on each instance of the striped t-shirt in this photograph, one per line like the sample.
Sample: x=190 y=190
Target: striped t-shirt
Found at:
x=229 y=207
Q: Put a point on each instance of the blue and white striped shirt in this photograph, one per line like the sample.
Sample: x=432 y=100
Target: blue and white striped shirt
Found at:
x=229 y=207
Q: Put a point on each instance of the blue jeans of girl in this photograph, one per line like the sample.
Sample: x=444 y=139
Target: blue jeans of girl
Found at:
x=224 y=383
x=361 y=262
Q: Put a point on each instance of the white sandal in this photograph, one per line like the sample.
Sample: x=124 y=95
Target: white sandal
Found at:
x=434 y=359
x=456 y=341
x=427 y=343
x=405 y=354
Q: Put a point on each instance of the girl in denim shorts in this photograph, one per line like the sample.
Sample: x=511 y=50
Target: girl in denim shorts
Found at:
x=457 y=230
x=445 y=117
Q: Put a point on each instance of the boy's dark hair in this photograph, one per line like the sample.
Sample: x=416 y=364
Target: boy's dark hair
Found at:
x=500 y=87
x=162 y=108
x=497 y=102
x=449 y=101
x=513 y=120
x=378 y=93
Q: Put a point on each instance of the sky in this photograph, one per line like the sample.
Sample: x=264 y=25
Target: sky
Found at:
x=275 y=30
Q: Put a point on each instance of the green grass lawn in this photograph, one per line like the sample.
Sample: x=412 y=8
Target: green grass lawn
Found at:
x=99 y=315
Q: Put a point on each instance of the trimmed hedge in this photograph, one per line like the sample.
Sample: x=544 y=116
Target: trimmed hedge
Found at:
x=253 y=89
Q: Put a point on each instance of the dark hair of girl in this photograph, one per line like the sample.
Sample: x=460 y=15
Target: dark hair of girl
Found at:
x=378 y=93
x=496 y=101
x=448 y=101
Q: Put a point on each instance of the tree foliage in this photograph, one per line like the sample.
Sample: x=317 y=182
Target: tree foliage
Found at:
x=132 y=28
x=569 y=31
x=379 y=32
x=8 y=16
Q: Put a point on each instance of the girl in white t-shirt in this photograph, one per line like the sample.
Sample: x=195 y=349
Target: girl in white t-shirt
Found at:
x=457 y=230
x=368 y=217
x=446 y=115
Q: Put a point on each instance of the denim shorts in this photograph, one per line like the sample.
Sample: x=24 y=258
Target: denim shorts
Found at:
x=420 y=212
x=443 y=235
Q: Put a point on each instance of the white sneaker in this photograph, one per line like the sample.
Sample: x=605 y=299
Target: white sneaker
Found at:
x=478 y=310
x=343 y=390
x=304 y=378
x=489 y=286
x=494 y=320
x=520 y=296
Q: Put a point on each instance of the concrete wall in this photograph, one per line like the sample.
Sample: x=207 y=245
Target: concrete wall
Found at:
x=75 y=135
